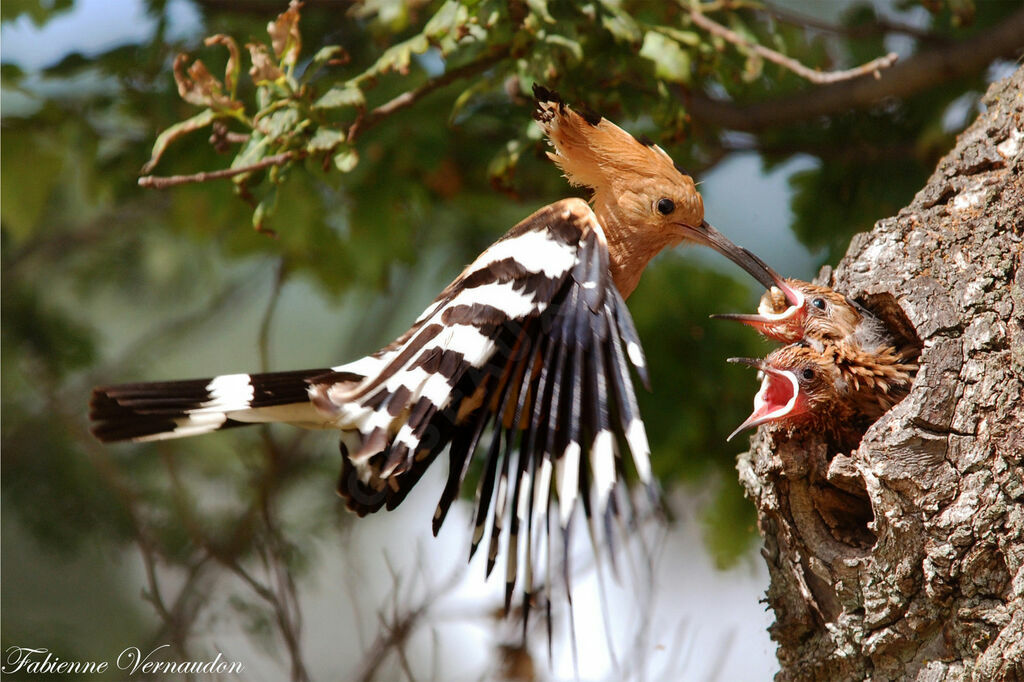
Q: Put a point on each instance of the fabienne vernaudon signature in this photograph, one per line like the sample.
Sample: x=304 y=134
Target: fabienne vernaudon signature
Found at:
x=131 y=660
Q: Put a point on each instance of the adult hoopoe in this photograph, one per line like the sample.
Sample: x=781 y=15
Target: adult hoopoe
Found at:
x=531 y=344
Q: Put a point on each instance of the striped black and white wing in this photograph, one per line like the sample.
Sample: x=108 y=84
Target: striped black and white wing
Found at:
x=525 y=357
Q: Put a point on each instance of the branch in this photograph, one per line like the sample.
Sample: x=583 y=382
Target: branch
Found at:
x=915 y=74
x=407 y=99
x=163 y=182
x=819 y=77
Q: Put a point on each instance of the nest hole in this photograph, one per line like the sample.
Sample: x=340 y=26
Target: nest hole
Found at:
x=889 y=312
x=840 y=497
x=842 y=503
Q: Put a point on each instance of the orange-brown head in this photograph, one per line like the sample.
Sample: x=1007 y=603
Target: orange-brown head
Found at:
x=798 y=385
x=642 y=199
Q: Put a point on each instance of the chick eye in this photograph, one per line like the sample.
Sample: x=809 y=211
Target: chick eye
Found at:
x=666 y=206
x=807 y=374
x=818 y=303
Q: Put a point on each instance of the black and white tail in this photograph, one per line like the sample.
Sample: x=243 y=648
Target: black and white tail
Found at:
x=175 y=409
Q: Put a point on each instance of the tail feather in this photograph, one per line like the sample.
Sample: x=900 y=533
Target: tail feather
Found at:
x=175 y=409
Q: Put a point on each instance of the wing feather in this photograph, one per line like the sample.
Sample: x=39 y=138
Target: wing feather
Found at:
x=533 y=344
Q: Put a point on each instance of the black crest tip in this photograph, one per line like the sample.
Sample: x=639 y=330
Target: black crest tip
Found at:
x=589 y=115
x=544 y=96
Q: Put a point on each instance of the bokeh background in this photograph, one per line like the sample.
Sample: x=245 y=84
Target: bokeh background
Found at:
x=235 y=543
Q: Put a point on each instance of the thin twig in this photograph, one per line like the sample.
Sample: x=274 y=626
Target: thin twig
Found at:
x=283 y=605
x=186 y=607
x=263 y=337
x=407 y=614
x=163 y=182
x=177 y=618
x=221 y=138
x=407 y=99
x=286 y=604
x=819 y=77
x=259 y=540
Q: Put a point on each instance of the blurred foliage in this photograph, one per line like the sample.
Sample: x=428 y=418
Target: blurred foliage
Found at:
x=407 y=137
x=38 y=12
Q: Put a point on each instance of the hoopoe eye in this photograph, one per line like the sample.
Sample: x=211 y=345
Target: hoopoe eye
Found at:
x=807 y=374
x=818 y=303
x=666 y=206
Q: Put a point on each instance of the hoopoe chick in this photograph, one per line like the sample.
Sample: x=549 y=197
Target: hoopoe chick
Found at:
x=793 y=310
x=532 y=344
x=800 y=388
x=874 y=369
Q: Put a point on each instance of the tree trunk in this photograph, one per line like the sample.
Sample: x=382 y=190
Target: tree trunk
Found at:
x=904 y=559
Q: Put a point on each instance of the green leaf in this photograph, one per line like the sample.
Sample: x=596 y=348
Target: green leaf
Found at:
x=346 y=159
x=264 y=210
x=322 y=58
x=11 y=72
x=31 y=167
x=345 y=95
x=397 y=57
x=252 y=151
x=671 y=62
x=325 y=139
x=391 y=15
x=327 y=53
x=39 y=12
x=571 y=45
x=502 y=167
x=688 y=38
x=280 y=123
x=540 y=8
x=443 y=27
x=180 y=129
x=619 y=22
x=753 y=67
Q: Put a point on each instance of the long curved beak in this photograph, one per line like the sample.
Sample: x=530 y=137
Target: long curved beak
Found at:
x=708 y=236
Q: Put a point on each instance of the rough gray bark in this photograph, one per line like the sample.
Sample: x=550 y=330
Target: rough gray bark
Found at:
x=904 y=559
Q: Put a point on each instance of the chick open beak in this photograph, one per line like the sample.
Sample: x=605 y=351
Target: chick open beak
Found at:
x=785 y=326
x=776 y=399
